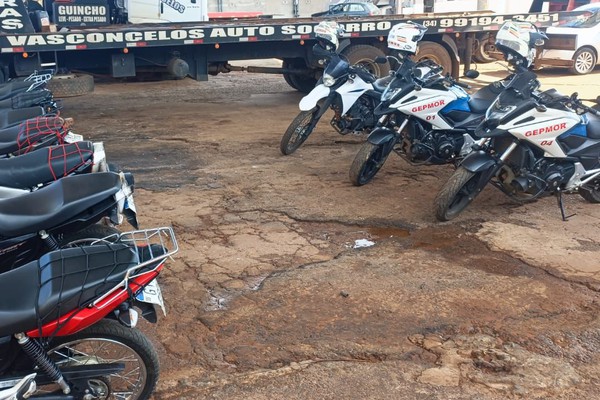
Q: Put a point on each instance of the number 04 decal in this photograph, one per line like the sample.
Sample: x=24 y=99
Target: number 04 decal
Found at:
x=546 y=142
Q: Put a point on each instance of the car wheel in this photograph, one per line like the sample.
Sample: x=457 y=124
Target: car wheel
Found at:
x=584 y=61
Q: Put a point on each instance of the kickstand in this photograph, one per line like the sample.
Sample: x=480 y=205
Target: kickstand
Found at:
x=562 y=207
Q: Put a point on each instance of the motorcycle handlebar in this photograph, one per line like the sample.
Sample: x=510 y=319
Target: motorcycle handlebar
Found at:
x=462 y=85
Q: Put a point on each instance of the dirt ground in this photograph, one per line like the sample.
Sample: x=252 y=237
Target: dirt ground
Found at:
x=268 y=297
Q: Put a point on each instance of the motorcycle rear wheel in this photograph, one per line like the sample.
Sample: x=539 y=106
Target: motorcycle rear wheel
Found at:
x=368 y=161
x=456 y=194
x=110 y=342
x=298 y=131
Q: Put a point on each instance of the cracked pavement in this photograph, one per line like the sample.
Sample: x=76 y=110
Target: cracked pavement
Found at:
x=268 y=298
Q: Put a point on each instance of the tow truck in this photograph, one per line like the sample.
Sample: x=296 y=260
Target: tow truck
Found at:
x=123 y=38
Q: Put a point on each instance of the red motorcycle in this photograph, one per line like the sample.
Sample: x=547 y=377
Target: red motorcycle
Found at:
x=70 y=318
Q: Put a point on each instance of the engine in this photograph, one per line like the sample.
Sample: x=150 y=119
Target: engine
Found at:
x=437 y=147
x=546 y=176
x=357 y=119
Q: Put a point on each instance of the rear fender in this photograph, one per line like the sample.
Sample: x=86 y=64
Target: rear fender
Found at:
x=381 y=135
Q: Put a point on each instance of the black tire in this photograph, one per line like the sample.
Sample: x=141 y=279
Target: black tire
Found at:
x=368 y=161
x=365 y=55
x=591 y=192
x=456 y=194
x=302 y=83
x=71 y=85
x=584 y=61
x=481 y=49
x=88 y=235
x=286 y=64
x=436 y=53
x=111 y=333
x=297 y=133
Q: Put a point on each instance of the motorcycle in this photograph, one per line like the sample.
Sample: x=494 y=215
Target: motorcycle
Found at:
x=425 y=117
x=63 y=214
x=69 y=318
x=350 y=91
x=536 y=144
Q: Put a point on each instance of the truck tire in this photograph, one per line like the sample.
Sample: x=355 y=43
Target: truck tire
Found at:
x=435 y=52
x=365 y=55
x=71 y=85
x=481 y=48
x=302 y=83
x=584 y=61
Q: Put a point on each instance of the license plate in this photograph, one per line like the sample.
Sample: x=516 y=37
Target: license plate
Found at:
x=152 y=294
x=73 y=137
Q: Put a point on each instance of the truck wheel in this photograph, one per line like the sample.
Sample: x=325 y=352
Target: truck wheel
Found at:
x=584 y=61
x=482 y=49
x=365 y=55
x=302 y=83
x=436 y=53
x=71 y=85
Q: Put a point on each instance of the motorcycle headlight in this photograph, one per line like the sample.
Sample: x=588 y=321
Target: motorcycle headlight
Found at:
x=388 y=94
x=498 y=111
x=328 y=80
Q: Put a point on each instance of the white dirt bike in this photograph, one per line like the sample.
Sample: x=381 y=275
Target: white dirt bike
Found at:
x=350 y=91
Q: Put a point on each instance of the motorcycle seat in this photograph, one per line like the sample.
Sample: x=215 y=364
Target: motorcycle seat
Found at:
x=26 y=99
x=60 y=282
x=15 y=117
x=381 y=83
x=9 y=89
x=31 y=133
x=55 y=204
x=45 y=165
x=481 y=100
x=593 y=126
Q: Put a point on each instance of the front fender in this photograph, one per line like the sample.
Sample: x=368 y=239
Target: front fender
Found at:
x=310 y=101
x=381 y=135
x=478 y=161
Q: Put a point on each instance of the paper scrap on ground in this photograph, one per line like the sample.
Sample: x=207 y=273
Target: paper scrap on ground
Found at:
x=362 y=243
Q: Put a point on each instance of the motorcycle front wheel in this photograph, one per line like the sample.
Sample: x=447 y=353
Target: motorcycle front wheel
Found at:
x=110 y=342
x=368 y=162
x=298 y=131
x=456 y=194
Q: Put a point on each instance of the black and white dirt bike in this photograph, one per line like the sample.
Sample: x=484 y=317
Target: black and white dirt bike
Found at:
x=536 y=144
x=425 y=117
x=350 y=91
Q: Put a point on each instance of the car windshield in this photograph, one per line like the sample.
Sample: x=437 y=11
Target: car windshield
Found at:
x=587 y=19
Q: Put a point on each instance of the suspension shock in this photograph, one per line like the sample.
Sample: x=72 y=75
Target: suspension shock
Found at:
x=50 y=241
x=36 y=352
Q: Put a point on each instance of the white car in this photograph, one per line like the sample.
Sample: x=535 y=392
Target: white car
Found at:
x=576 y=43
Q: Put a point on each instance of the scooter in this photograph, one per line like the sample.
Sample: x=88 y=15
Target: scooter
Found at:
x=69 y=319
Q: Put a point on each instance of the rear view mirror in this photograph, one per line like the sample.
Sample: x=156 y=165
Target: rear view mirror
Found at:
x=381 y=60
x=471 y=74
